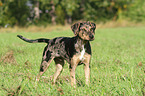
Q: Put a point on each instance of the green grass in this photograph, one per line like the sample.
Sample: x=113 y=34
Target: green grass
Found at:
x=117 y=65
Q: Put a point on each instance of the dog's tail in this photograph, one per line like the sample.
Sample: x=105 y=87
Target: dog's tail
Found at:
x=41 y=40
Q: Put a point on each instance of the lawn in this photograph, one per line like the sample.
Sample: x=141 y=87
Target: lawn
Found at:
x=117 y=64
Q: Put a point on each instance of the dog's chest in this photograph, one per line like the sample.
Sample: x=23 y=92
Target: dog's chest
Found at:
x=82 y=53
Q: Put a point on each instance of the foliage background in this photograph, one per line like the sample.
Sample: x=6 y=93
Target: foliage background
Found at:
x=21 y=12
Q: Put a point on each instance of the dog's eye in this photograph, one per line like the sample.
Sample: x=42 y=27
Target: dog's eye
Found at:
x=91 y=29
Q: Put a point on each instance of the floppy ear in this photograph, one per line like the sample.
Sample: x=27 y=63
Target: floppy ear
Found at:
x=76 y=28
x=93 y=25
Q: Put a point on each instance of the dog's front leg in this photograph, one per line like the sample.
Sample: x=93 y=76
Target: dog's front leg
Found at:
x=72 y=75
x=87 y=73
x=73 y=65
x=87 y=68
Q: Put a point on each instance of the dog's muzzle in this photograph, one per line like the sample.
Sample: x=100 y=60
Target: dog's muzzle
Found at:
x=91 y=37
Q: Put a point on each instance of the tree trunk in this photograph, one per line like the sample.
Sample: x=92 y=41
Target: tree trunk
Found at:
x=52 y=14
x=36 y=10
x=69 y=20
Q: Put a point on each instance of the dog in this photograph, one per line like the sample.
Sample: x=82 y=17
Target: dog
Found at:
x=75 y=50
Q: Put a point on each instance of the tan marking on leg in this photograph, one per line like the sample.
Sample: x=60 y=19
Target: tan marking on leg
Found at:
x=74 y=62
x=87 y=68
x=59 y=66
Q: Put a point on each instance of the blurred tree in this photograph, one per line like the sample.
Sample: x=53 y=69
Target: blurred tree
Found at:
x=70 y=6
x=102 y=10
x=60 y=15
x=48 y=8
x=18 y=11
x=3 y=10
x=136 y=10
x=36 y=10
x=14 y=12
x=52 y=13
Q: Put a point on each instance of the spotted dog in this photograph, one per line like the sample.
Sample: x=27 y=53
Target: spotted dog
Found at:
x=75 y=50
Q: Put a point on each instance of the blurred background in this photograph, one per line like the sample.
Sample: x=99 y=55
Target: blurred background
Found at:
x=43 y=12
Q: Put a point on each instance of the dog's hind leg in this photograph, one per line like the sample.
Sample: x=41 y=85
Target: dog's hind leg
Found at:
x=46 y=60
x=43 y=68
x=59 y=66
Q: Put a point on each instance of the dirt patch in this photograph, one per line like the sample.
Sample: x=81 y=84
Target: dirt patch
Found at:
x=140 y=63
x=60 y=91
x=8 y=58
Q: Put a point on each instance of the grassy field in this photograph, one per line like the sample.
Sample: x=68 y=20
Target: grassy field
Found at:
x=117 y=64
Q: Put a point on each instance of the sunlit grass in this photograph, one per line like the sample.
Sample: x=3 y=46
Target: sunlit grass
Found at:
x=117 y=64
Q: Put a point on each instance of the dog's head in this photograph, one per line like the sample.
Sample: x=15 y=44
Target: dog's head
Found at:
x=85 y=30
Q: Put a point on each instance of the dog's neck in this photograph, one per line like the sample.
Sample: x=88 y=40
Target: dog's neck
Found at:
x=80 y=40
x=80 y=43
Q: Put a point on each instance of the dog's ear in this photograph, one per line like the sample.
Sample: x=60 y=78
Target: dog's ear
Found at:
x=93 y=25
x=76 y=28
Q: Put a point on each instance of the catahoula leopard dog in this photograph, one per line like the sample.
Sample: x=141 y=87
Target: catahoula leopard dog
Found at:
x=75 y=50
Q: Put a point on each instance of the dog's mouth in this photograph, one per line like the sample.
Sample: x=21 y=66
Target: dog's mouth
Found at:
x=91 y=39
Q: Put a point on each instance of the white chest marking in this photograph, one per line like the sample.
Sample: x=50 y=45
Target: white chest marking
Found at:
x=82 y=53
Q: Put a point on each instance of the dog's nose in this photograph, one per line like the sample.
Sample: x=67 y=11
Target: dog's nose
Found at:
x=91 y=36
